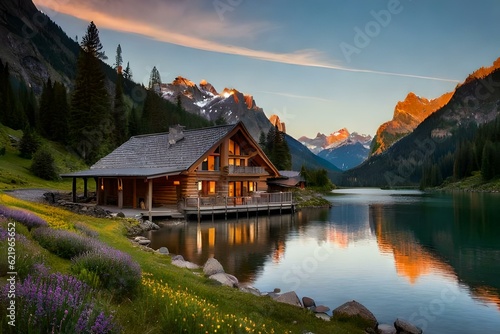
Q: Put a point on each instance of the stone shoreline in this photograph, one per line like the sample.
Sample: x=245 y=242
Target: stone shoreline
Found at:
x=350 y=310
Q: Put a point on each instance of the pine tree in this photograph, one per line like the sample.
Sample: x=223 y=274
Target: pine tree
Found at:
x=43 y=164
x=262 y=140
x=45 y=111
x=487 y=163
x=29 y=143
x=119 y=113
x=155 y=80
x=133 y=123
x=91 y=42
x=90 y=123
x=118 y=59
x=127 y=72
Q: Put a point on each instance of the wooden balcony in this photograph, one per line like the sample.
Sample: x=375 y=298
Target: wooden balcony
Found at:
x=253 y=170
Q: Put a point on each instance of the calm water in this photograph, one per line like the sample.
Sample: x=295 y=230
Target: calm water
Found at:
x=433 y=259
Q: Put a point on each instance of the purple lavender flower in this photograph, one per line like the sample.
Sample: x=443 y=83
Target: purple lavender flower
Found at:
x=24 y=217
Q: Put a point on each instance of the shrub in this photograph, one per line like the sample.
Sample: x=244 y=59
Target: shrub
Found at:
x=64 y=243
x=116 y=271
x=86 y=231
x=30 y=142
x=2 y=150
x=24 y=217
x=43 y=164
x=56 y=304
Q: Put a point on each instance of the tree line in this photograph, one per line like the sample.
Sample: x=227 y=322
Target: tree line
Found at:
x=477 y=149
x=96 y=115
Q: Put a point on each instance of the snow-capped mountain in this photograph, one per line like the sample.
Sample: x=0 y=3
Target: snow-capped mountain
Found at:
x=204 y=100
x=345 y=150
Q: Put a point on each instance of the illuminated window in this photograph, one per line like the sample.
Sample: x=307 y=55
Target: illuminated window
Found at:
x=234 y=148
x=211 y=187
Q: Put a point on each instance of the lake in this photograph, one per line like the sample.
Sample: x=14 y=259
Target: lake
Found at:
x=430 y=258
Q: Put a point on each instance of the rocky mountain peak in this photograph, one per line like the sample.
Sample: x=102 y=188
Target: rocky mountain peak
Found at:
x=408 y=114
x=181 y=81
x=275 y=121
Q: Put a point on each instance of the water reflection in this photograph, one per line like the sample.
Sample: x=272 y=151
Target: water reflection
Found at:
x=395 y=251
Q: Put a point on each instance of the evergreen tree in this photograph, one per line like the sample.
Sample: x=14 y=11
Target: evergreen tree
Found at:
x=45 y=110
x=119 y=113
x=90 y=123
x=43 y=164
x=488 y=161
x=262 y=140
x=29 y=143
x=127 y=72
x=91 y=43
x=155 y=80
x=11 y=114
x=60 y=111
x=277 y=150
x=118 y=59
x=133 y=123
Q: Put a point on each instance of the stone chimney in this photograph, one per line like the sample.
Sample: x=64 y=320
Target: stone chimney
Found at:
x=175 y=133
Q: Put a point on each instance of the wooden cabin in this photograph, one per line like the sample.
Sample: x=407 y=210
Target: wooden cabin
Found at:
x=220 y=165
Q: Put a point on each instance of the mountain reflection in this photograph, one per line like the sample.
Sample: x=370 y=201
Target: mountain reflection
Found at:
x=454 y=236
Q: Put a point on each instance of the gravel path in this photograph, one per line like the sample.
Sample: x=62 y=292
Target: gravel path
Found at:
x=32 y=195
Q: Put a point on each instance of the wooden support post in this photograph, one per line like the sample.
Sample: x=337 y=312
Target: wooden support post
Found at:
x=150 y=199
x=120 y=193
x=97 y=195
x=85 y=190
x=74 y=190
x=134 y=198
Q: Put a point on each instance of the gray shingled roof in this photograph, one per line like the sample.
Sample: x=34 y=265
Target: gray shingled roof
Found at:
x=150 y=155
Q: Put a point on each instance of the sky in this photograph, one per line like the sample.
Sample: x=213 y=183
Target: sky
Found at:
x=319 y=65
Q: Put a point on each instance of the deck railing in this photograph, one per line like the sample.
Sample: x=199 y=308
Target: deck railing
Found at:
x=246 y=170
x=254 y=199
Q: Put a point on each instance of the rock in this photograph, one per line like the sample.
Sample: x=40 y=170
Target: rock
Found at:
x=276 y=290
x=149 y=225
x=289 y=298
x=308 y=302
x=144 y=242
x=179 y=263
x=320 y=309
x=120 y=215
x=355 y=309
x=191 y=265
x=404 y=327
x=225 y=279
x=177 y=257
x=386 y=329
x=323 y=316
x=139 y=238
x=212 y=267
x=250 y=289
x=163 y=250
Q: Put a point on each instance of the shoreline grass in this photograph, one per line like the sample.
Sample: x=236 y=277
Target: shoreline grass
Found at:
x=146 y=312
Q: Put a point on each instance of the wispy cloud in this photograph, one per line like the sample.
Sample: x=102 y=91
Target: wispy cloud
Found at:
x=171 y=22
x=296 y=96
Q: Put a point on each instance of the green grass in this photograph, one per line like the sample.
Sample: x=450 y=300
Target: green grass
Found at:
x=15 y=173
x=473 y=183
x=146 y=312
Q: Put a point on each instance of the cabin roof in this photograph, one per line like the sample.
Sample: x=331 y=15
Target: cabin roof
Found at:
x=156 y=155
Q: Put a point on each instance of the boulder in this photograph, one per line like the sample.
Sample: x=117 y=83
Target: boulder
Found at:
x=179 y=263
x=144 y=242
x=191 y=265
x=308 y=302
x=250 y=289
x=163 y=250
x=149 y=225
x=139 y=238
x=120 y=215
x=212 y=267
x=320 y=309
x=225 y=279
x=289 y=298
x=404 y=327
x=177 y=257
x=386 y=329
x=323 y=316
x=354 y=309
